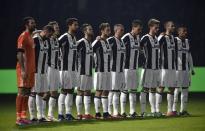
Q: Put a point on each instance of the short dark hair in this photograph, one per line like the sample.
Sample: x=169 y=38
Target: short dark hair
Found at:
x=102 y=26
x=84 y=27
x=136 y=23
x=49 y=28
x=52 y=23
x=181 y=27
x=70 y=21
x=166 y=23
x=153 y=22
x=26 y=20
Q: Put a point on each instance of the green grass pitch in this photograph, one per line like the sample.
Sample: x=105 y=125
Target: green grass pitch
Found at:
x=196 y=122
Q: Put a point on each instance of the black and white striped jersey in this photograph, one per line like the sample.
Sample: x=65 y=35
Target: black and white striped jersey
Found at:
x=102 y=52
x=184 y=58
x=68 y=47
x=167 y=51
x=132 y=45
x=151 y=47
x=41 y=53
x=118 y=54
x=53 y=53
x=85 y=55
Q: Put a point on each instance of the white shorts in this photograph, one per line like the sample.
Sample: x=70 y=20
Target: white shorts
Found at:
x=70 y=79
x=41 y=83
x=53 y=79
x=61 y=82
x=102 y=81
x=86 y=82
x=131 y=79
x=151 y=78
x=118 y=80
x=168 y=78
x=183 y=78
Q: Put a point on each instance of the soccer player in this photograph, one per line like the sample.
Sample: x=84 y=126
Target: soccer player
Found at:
x=69 y=76
x=25 y=69
x=117 y=66
x=132 y=44
x=184 y=67
x=150 y=44
x=102 y=50
x=41 y=41
x=168 y=67
x=53 y=69
x=85 y=53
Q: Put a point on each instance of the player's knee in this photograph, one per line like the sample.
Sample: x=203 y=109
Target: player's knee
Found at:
x=171 y=90
x=133 y=91
x=25 y=91
x=54 y=94
x=63 y=91
x=80 y=93
x=184 y=87
x=98 y=93
x=105 y=93
x=145 y=90
x=33 y=94
x=70 y=91
x=124 y=91
x=152 y=90
x=87 y=93
x=46 y=96
x=160 y=89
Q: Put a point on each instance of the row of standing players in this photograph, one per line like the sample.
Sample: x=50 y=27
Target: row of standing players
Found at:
x=166 y=62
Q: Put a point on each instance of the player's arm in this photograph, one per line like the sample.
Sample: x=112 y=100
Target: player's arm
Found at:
x=20 y=55
x=126 y=41
x=176 y=52
x=190 y=61
x=161 y=40
x=96 y=46
x=143 y=43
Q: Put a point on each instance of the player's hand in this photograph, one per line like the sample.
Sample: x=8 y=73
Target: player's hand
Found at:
x=23 y=75
x=193 y=72
x=98 y=38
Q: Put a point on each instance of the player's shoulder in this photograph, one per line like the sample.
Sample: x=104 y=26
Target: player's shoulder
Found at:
x=125 y=36
x=111 y=39
x=63 y=36
x=144 y=37
x=161 y=37
x=96 y=42
x=81 y=41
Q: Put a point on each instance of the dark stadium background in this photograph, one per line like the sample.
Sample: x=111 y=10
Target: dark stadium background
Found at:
x=183 y=12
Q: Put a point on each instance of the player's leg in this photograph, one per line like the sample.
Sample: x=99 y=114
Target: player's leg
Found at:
x=152 y=100
x=87 y=97
x=132 y=86
x=22 y=105
x=170 y=101
x=61 y=104
x=143 y=95
x=51 y=105
x=69 y=104
x=62 y=95
x=87 y=103
x=117 y=85
x=79 y=103
x=123 y=101
x=184 y=101
x=53 y=82
x=110 y=101
x=97 y=102
x=176 y=99
x=32 y=106
x=159 y=92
